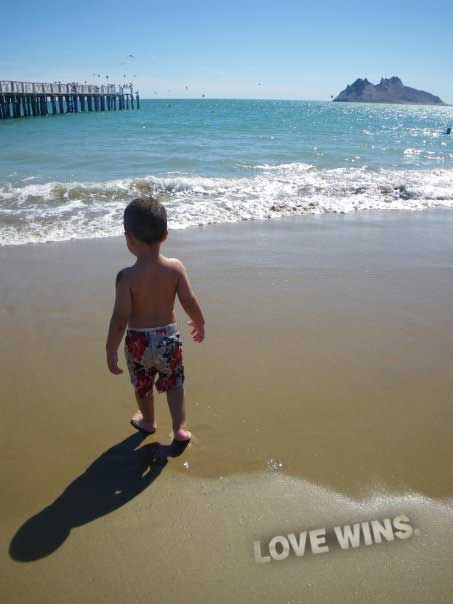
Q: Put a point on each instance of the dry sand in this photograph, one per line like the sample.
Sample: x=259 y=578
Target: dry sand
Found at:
x=321 y=396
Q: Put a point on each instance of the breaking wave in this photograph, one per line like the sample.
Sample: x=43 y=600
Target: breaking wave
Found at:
x=31 y=212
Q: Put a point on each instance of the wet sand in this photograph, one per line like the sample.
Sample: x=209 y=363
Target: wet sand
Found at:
x=322 y=396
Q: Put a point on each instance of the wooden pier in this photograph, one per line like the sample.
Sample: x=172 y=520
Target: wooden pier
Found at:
x=26 y=99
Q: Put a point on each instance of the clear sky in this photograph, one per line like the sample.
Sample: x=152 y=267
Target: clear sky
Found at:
x=294 y=49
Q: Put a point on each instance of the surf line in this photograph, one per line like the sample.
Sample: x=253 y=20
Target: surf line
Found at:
x=346 y=537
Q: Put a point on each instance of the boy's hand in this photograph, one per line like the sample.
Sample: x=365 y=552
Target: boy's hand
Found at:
x=112 y=363
x=197 y=331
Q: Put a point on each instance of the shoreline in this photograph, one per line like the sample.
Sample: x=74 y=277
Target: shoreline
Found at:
x=377 y=213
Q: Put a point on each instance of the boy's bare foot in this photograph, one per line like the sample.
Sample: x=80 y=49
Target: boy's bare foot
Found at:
x=140 y=424
x=182 y=436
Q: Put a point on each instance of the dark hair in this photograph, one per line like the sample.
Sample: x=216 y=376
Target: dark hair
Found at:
x=146 y=219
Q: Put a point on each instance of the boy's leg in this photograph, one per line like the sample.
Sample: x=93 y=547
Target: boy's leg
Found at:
x=145 y=418
x=176 y=404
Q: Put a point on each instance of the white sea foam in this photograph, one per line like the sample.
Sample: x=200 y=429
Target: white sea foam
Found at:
x=34 y=212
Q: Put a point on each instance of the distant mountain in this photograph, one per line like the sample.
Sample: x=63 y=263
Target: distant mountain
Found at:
x=391 y=90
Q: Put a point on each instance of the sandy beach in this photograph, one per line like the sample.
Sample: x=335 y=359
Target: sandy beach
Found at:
x=321 y=396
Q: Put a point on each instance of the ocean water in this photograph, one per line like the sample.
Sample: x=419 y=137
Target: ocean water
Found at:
x=210 y=161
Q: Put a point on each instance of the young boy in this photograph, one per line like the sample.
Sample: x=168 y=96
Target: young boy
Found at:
x=145 y=296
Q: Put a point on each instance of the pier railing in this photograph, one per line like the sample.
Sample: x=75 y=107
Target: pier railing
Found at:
x=8 y=87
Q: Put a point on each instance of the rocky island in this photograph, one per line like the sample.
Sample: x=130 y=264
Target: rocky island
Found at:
x=391 y=90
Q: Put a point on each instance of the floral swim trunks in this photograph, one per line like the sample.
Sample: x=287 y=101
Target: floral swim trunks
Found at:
x=154 y=350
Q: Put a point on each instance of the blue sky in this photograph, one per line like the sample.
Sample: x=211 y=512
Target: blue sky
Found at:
x=295 y=49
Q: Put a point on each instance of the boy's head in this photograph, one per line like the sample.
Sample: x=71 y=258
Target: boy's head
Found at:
x=146 y=220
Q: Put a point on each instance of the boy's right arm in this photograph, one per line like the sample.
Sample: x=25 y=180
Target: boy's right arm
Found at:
x=118 y=321
x=189 y=303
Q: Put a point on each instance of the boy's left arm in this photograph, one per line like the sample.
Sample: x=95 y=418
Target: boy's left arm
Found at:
x=119 y=320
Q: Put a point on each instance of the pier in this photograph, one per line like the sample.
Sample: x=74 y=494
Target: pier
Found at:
x=27 y=99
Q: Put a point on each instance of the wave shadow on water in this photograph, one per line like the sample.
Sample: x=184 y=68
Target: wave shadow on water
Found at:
x=112 y=480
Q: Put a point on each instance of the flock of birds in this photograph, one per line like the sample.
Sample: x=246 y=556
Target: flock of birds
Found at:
x=129 y=61
x=98 y=75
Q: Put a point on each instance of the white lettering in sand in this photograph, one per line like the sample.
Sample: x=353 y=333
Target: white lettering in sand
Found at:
x=346 y=537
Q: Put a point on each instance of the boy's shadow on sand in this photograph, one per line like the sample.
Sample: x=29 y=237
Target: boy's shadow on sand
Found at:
x=113 y=479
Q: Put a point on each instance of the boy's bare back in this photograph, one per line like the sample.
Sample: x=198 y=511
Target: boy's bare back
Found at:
x=153 y=286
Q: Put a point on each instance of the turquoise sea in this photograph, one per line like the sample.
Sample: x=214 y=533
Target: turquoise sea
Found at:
x=70 y=176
